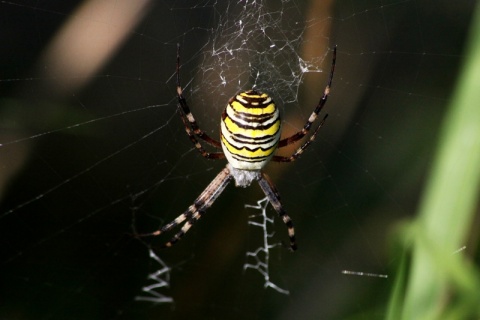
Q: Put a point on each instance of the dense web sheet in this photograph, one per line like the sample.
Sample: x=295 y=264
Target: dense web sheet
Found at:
x=92 y=151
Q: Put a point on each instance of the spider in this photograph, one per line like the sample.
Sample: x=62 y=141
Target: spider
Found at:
x=250 y=135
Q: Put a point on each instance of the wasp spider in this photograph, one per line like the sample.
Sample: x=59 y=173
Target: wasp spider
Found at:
x=249 y=136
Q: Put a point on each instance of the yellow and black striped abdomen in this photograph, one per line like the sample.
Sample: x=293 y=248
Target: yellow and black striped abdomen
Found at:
x=250 y=130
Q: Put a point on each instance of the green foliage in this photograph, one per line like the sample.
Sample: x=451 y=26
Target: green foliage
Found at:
x=442 y=283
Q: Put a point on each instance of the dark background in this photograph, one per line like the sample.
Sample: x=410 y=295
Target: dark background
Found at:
x=82 y=168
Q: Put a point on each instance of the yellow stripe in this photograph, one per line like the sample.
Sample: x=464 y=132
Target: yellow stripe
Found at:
x=254 y=96
x=251 y=133
x=247 y=153
x=238 y=107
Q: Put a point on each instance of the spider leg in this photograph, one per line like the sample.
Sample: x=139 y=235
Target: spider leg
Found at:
x=198 y=145
x=178 y=236
x=274 y=197
x=196 y=210
x=321 y=103
x=187 y=114
x=304 y=146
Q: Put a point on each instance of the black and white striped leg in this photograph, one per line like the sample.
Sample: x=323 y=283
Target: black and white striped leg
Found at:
x=306 y=128
x=274 y=197
x=198 y=145
x=196 y=210
x=187 y=115
x=304 y=146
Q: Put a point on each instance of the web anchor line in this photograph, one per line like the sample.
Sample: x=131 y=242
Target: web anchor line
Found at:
x=364 y=274
x=259 y=264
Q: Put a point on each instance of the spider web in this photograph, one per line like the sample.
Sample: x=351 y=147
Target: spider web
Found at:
x=92 y=151
x=261 y=256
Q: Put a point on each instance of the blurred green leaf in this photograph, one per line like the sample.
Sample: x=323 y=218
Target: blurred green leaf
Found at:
x=442 y=284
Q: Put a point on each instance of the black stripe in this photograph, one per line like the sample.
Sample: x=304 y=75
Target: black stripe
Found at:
x=245 y=126
x=259 y=101
x=245 y=147
x=254 y=117
x=242 y=139
x=248 y=159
